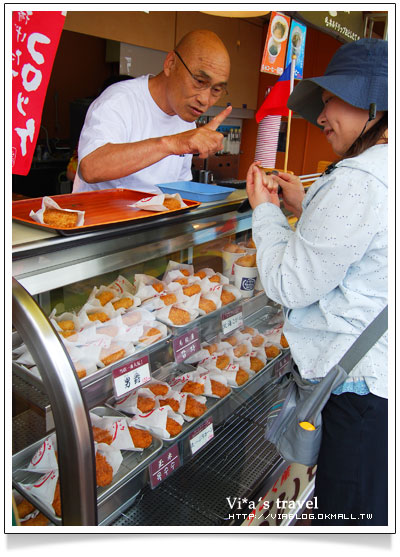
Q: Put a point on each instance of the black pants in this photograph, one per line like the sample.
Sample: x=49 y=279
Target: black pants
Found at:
x=352 y=472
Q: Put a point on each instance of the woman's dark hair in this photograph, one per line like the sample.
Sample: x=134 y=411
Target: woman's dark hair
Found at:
x=369 y=138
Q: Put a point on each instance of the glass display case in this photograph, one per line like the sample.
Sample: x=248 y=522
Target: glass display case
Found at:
x=190 y=478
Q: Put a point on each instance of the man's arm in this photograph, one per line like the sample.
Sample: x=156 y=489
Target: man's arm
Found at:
x=117 y=160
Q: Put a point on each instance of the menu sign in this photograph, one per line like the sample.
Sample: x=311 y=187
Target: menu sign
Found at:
x=185 y=345
x=274 y=56
x=35 y=38
x=164 y=465
x=348 y=26
x=129 y=376
x=296 y=47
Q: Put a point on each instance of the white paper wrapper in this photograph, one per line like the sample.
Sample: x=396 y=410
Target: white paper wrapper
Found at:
x=89 y=309
x=172 y=271
x=45 y=460
x=144 y=287
x=163 y=299
x=114 y=349
x=137 y=316
x=243 y=348
x=122 y=285
x=94 y=298
x=49 y=203
x=156 y=202
x=85 y=357
x=211 y=375
x=213 y=297
x=88 y=336
x=156 y=421
x=112 y=455
x=231 y=377
x=118 y=429
x=177 y=383
x=43 y=489
x=146 y=339
x=273 y=336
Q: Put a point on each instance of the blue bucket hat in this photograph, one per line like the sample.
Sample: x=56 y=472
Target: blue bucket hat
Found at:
x=357 y=74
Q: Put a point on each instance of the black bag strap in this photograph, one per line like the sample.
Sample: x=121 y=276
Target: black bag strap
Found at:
x=365 y=341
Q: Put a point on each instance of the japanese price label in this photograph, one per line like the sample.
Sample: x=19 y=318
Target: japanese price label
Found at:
x=185 y=345
x=201 y=436
x=164 y=466
x=232 y=320
x=35 y=38
x=282 y=366
x=130 y=376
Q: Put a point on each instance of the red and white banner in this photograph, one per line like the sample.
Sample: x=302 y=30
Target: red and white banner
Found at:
x=35 y=38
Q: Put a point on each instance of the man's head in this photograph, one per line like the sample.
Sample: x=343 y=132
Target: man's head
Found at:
x=195 y=75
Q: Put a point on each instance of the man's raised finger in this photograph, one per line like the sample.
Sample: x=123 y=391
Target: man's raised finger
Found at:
x=219 y=118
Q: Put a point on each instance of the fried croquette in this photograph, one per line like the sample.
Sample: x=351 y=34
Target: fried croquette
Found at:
x=157 y=389
x=140 y=437
x=59 y=218
x=172 y=402
x=207 y=305
x=284 y=342
x=222 y=361
x=114 y=357
x=124 y=303
x=248 y=331
x=211 y=348
x=169 y=299
x=219 y=389
x=152 y=332
x=102 y=435
x=240 y=350
x=57 y=499
x=193 y=387
x=215 y=278
x=38 y=520
x=256 y=364
x=145 y=403
x=247 y=261
x=67 y=334
x=194 y=408
x=201 y=274
x=241 y=376
x=173 y=427
x=66 y=325
x=257 y=341
x=171 y=203
x=179 y=316
x=185 y=272
x=24 y=508
x=182 y=281
x=232 y=340
x=227 y=297
x=81 y=372
x=98 y=316
x=104 y=471
x=158 y=286
x=191 y=290
x=272 y=351
x=105 y=297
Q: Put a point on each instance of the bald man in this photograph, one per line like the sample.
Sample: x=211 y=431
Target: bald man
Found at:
x=142 y=132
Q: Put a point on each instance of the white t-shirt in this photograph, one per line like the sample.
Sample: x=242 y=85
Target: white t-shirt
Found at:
x=126 y=112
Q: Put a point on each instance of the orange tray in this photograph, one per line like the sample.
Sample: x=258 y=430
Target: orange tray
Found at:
x=103 y=209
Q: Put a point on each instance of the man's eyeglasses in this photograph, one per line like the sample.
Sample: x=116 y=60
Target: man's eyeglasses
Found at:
x=201 y=83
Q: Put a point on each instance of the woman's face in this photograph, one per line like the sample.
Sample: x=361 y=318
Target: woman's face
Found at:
x=342 y=122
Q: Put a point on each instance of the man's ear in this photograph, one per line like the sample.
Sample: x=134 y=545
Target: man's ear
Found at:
x=169 y=63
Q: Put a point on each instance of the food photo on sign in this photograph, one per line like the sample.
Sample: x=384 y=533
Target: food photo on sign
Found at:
x=35 y=38
x=274 y=56
x=296 y=47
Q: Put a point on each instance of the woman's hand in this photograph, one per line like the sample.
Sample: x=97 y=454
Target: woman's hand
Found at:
x=292 y=191
x=260 y=187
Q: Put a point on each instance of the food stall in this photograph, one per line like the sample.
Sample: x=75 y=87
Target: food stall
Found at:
x=191 y=479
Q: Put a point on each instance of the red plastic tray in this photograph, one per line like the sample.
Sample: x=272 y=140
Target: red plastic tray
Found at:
x=103 y=208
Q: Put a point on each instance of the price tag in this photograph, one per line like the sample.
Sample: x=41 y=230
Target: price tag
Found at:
x=185 y=345
x=201 y=436
x=164 y=466
x=232 y=320
x=283 y=365
x=130 y=376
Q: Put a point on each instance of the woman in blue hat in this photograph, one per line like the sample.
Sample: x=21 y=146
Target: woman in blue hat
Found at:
x=330 y=274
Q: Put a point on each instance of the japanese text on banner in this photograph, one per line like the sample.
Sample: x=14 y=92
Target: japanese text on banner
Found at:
x=35 y=38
